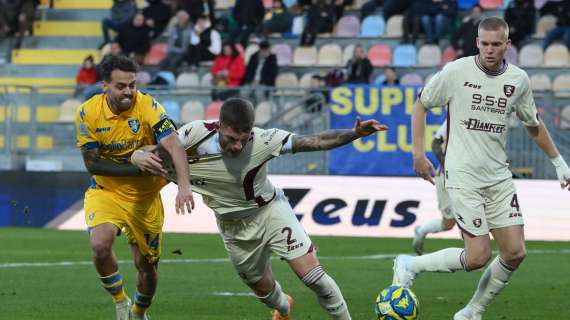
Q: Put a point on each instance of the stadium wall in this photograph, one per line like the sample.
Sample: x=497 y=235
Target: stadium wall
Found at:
x=371 y=207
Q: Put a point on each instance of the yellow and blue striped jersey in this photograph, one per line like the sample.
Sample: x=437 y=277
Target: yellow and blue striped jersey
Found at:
x=118 y=136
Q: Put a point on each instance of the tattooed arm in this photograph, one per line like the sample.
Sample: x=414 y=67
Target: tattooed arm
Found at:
x=331 y=139
x=105 y=167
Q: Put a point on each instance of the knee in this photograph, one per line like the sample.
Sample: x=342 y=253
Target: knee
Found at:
x=514 y=257
x=263 y=288
x=101 y=249
x=448 y=224
x=477 y=260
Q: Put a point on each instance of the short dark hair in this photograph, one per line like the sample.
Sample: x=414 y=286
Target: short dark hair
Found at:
x=111 y=63
x=494 y=24
x=264 y=44
x=238 y=114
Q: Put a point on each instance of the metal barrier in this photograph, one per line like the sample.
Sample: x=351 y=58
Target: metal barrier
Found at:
x=32 y=142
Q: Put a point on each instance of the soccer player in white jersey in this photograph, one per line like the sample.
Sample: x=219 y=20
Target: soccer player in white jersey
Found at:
x=447 y=221
x=480 y=91
x=228 y=161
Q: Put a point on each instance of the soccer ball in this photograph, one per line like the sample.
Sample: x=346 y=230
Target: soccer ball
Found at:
x=397 y=303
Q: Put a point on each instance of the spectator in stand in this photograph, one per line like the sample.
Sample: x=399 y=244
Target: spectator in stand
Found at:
x=520 y=17
x=157 y=15
x=261 y=71
x=17 y=17
x=248 y=14
x=86 y=76
x=438 y=14
x=277 y=19
x=339 y=6
x=369 y=8
x=464 y=39
x=122 y=13
x=390 y=77
x=359 y=69
x=394 y=7
x=411 y=22
x=178 y=42
x=205 y=42
x=195 y=9
x=7 y=12
x=320 y=19
x=318 y=94
x=135 y=39
x=228 y=71
x=562 y=29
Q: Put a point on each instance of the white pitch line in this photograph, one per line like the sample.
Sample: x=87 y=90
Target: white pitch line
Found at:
x=7 y=265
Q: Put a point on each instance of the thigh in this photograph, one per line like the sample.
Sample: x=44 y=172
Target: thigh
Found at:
x=144 y=227
x=469 y=211
x=284 y=232
x=510 y=241
x=502 y=206
x=101 y=207
x=443 y=201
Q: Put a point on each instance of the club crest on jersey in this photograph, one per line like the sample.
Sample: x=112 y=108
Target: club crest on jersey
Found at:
x=135 y=125
x=508 y=90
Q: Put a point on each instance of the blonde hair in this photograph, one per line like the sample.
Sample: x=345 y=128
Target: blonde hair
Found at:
x=494 y=24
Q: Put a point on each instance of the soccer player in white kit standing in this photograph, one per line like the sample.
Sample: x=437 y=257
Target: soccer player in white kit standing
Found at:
x=480 y=91
x=228 y=160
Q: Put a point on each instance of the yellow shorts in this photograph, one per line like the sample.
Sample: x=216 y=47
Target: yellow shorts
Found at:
x=141 y=221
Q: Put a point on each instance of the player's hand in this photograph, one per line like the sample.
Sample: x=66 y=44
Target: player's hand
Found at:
x=368 y=127
x=148 y=162
x=424 y=168
x=564 y=177
x=184 y=200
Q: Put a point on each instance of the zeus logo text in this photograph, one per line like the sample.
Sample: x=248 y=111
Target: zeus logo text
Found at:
x=472 y=85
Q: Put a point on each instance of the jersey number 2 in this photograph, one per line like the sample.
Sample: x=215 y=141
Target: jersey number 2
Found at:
x=289 y=233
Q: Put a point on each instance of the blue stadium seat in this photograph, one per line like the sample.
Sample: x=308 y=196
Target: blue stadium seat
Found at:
x=172 y=109
x=372 y=26
x=466 y=4
x=404 y=56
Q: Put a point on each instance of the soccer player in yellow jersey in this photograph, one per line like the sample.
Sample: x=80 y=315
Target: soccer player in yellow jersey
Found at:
x=110 y=127
x=229 y=169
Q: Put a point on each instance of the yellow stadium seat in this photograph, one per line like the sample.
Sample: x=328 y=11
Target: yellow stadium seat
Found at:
x=56 y=85
x=52 y=56
x=45 y=114
x=86 y=4
x=23 y=142
x=23 y=113
x=44 y=142
x=67 y=29
x=1 y=141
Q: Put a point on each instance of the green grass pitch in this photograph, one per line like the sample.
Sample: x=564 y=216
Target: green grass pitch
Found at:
x=195 y=288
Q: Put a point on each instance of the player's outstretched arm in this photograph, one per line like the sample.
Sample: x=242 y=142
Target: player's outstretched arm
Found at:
x=106 y=167
x=331 y=139
x=423 y=167
x=542 y=139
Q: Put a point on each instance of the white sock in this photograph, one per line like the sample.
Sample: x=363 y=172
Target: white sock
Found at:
x=433 y=226
x=446 y=260
x=276 y=299
x=493 y=280
x=328 y=293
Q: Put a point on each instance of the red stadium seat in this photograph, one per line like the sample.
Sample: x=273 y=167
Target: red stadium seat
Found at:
x=380 y=55
x=491 y=4
x=448 y=55
x=157 y=53
x=213 y=110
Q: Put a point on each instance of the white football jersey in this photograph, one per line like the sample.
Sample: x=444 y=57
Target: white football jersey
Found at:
x=441 y=133
x=230 y=184
x=479 y=103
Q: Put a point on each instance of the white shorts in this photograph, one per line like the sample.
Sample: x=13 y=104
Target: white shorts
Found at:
x=250 y=241
x=480 y=210
x=443 y=201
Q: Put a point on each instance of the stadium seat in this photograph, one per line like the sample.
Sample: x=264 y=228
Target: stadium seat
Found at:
x=91 y=4
x=68 y=109
x=298 y=26
x=348 y=26
x=380 y=55
x=286 y=80
x=283 y=52
x=187 y=79
x=172 y=109
x=561 y=86
x=206 y=80
x=545 y=24
x=267 y=4
x=372 y=26
x=250 y=51
x=225 y=4
x=347 y=53
x=379 y=79
x=263 y=112
x=53 y=56
x=412 y=79
x=429 y=55
x=556 y=55
x=156 y=54
x=289 y=3
x=305 y=56
x=404 y=55
x=531 y=55
x=540 y=82
x=466 y=4
x=192 y=110
x=357 y=4
x=330 y=55
x=305 y=81
x=143 y=77
x=394 y=26
x=491 y=4
x=67 y=29
x=512 y=55
x=565 y=118
x=448 y=55
x=168 y=77
x=213 y=110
